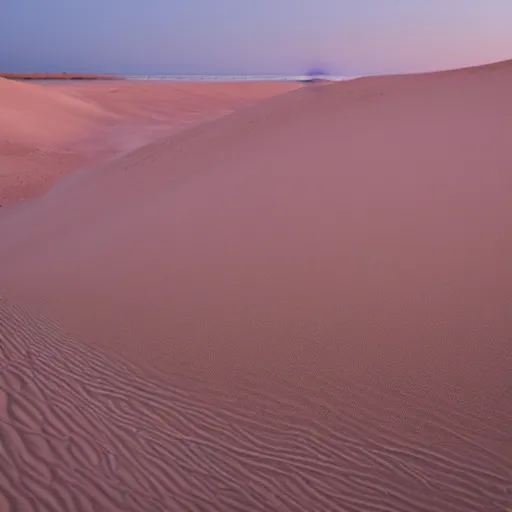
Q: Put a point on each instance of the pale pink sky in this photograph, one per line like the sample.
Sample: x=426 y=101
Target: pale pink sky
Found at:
x=245 y=36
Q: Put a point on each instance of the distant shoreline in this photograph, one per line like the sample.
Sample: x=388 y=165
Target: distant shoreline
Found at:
x=58 y=76
x=167 y=78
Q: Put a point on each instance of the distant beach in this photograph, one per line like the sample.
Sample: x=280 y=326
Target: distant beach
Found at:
x=55 y=78
x=234 y=78
x=58 y=76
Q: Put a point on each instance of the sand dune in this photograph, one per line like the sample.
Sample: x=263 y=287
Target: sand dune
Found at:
x=303 y=305
x=36 y=116
x=47 y=131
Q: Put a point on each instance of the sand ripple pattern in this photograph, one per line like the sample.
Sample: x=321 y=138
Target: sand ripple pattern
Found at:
x=82 y=432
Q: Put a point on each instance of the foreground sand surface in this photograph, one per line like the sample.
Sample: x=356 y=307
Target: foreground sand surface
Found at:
x=303 y=305
x=51 y=130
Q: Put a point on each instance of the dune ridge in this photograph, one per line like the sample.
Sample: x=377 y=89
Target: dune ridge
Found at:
x=302 y=305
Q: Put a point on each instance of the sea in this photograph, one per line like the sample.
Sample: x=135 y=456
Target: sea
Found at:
x=203 y=78
x=233 y=78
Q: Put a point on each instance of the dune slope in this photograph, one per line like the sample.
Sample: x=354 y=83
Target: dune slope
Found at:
x=37 y=124
x=36 y=116
x=33 y=116
x=52 y=130
x=330 y=269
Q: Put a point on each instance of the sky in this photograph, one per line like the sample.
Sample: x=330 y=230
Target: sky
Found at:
x=345 y=37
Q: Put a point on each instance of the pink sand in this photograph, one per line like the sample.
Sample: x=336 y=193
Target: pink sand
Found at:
x=303 y=305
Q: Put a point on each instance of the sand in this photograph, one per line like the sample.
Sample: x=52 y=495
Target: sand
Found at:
x=303 y=305
x=52 y=130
